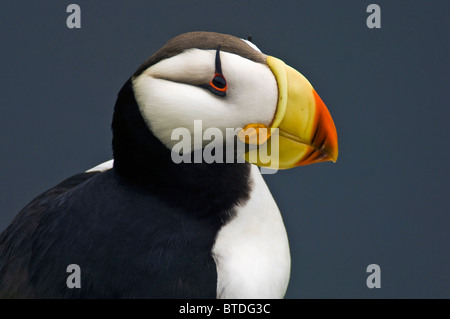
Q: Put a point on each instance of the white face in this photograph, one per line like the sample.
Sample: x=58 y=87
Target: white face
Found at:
x=169 y=97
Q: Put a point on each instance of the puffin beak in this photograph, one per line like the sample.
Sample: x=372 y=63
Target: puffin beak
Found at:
x=302 y=131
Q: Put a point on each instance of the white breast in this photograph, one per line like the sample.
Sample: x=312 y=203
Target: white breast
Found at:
x=252 y=250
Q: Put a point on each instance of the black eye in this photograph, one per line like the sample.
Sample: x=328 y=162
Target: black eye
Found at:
x=218 y=84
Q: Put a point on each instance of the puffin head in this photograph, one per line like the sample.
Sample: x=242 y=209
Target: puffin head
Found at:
x=227 y=82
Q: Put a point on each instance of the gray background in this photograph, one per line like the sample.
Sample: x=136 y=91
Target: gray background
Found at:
x=386 y=199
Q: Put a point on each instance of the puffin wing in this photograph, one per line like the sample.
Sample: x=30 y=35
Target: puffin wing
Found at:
x=13 y=258
x=123 y=247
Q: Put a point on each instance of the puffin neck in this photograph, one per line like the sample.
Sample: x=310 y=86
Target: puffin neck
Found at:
x=144 y=161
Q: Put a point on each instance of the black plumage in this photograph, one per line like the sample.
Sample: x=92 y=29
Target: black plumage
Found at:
x=145 y=228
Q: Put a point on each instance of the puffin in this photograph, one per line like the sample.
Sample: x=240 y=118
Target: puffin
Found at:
x=145 y=225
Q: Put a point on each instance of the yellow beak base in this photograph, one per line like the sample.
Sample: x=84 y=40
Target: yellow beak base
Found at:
x=302 y=131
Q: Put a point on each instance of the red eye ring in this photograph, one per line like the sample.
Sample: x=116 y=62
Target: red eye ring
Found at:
x=219 y=83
